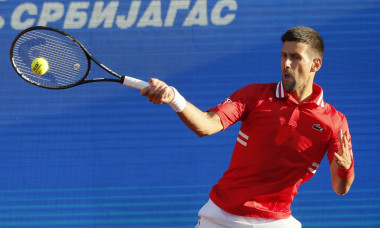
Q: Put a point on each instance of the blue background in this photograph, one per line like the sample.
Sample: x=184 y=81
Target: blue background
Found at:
x=100 y=155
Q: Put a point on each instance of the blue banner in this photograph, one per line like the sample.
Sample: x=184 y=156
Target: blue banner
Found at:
x=101 y=155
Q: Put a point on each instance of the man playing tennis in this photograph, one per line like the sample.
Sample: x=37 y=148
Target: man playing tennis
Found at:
x=285 y=132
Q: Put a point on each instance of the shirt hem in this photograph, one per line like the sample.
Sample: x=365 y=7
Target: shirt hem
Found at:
x=251 y=211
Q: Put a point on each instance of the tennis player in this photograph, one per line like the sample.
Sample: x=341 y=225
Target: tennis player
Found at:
x=285 y=132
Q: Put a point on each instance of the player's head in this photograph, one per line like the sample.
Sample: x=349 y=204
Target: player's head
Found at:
x=309 y=36
x=301 y=58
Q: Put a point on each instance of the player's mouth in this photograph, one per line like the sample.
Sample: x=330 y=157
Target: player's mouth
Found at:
x=287 y=76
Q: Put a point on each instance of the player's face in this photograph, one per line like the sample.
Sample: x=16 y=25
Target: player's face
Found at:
x=296 y=63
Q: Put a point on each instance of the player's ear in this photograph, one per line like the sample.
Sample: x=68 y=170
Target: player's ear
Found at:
x=317 y=64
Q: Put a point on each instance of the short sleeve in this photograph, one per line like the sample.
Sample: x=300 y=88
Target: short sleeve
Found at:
x=235 y=106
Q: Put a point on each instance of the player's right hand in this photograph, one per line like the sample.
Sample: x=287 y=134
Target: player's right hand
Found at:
x=158 y=92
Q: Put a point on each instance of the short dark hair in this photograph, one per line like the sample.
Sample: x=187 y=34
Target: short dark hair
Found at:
x=306 y=35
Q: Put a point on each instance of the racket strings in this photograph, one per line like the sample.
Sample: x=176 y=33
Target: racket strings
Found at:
x=56 y=52
x=68 y=63
x=48 y=79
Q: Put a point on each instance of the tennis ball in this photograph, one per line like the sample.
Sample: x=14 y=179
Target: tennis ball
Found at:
x=40 y=66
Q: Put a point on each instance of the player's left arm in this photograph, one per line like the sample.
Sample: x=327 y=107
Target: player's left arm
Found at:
x=342 y=165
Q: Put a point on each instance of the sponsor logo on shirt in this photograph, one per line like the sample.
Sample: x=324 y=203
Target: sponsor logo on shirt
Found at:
x=317 y=127
x=227 y=100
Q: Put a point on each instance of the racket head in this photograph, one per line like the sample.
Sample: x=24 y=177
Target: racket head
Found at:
x=69 y=63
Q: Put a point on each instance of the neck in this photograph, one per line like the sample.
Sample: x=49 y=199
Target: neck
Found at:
x=303 y=94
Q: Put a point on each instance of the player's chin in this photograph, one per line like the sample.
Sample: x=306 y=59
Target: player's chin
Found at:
x=288 y=85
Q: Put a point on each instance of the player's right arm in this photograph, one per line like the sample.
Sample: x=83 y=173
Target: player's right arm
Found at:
x=201 y=123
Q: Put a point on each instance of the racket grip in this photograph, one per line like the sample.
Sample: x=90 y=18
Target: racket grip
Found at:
x=135 y=83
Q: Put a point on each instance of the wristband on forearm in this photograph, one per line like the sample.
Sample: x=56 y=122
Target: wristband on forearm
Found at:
x=346 y=173
x=179 y=102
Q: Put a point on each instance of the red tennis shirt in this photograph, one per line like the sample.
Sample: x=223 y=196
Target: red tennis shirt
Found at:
x=279 y=146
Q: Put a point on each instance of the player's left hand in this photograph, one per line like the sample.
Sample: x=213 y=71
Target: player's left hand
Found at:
x=343 y=156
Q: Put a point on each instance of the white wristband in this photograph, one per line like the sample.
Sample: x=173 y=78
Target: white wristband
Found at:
x=178 y=103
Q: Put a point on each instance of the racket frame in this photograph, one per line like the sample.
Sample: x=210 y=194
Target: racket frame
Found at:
x=83 y=80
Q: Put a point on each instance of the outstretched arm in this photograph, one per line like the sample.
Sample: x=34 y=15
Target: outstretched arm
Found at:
x=341 y=167
x=201 y=123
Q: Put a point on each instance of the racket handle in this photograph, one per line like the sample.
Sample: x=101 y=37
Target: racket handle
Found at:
x=135 y=83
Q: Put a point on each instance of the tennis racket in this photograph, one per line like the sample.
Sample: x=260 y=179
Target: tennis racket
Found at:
x=69 y=61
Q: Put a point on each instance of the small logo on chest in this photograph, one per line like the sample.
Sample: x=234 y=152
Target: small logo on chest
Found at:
x=317 y=127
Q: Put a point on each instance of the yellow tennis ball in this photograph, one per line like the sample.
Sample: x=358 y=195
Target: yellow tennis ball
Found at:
x=40 y=66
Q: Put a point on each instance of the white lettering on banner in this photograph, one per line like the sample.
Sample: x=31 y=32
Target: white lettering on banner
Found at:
x=51 y=12
x=2 y=22
x=80 y=14
x=152 y=15
x=76 y=17
x=198 y=15
x=100 y=14
x=216 y=13
x=16 y=22
x=174 y=6
x=123 y=23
